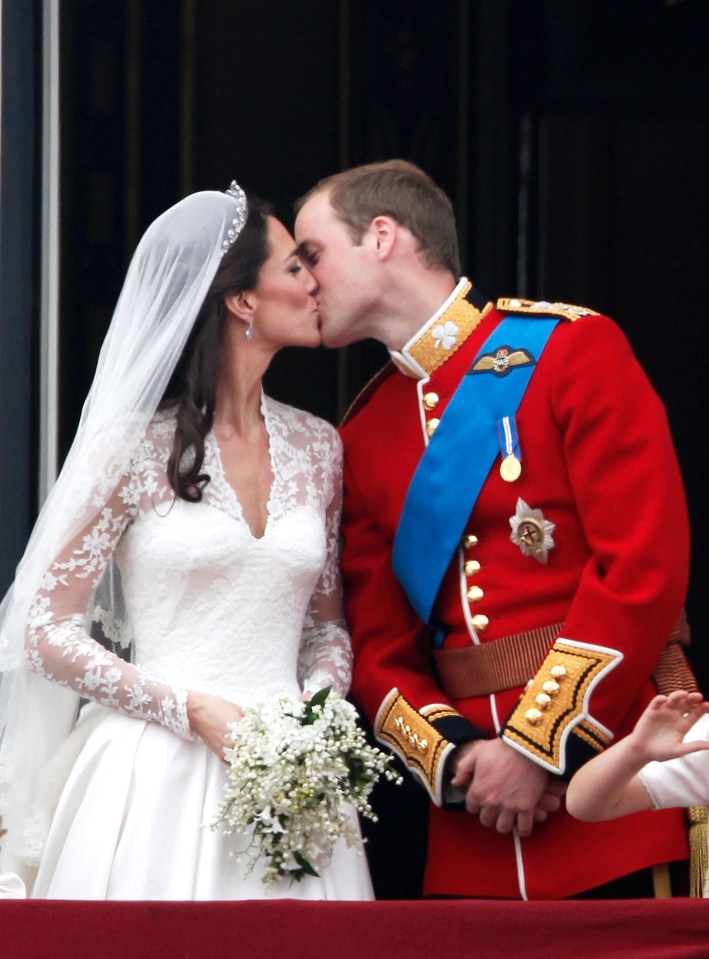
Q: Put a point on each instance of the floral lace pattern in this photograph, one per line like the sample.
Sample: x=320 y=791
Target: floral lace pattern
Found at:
x=208 y=605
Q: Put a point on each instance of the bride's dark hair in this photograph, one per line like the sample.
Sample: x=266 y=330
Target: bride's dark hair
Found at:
x=192 y=389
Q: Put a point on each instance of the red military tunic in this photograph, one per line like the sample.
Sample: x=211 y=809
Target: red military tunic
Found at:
x=598 y=462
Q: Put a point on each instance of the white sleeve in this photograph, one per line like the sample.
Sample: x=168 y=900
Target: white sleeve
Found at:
x=326 y=654
x=60 y=648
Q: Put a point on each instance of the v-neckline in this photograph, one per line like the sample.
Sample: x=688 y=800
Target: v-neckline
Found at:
x=228 y=490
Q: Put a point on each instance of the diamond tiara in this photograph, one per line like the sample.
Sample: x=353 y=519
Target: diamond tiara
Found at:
x=242 y=210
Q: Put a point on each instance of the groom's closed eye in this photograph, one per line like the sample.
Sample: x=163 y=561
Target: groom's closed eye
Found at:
x=305 y=254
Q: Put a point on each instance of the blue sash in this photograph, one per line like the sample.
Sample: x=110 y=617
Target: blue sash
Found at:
x=458 y=458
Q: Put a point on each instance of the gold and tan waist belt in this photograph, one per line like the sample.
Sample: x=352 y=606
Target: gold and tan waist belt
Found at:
x=494 y=666
x=513 y=660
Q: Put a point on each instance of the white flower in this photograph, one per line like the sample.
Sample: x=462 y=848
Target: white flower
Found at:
x=445 y=335
x=294 y=768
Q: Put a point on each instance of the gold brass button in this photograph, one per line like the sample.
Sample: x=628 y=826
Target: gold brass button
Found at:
x=543 y=701
x=558 y=672
x=430 y=400
x=472 y=567
x=551 y=687
x=432 y=426
x=475 y=594
x=469 y=541
x=480 y=622
x=533 y=717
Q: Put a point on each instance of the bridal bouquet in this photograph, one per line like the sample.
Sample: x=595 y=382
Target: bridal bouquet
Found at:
x=294 y=767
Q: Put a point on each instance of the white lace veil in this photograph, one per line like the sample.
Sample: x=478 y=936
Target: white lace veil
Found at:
x=165 y=286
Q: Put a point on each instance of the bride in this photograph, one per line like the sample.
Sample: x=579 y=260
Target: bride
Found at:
x=193 y=529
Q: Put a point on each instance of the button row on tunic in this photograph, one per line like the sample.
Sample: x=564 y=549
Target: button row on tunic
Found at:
x=475 y=593
x=430 y=402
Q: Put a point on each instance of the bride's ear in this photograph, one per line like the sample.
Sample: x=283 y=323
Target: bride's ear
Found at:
x=241 y=304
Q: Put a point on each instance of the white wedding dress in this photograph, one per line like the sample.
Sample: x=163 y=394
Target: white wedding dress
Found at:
x=208 y=607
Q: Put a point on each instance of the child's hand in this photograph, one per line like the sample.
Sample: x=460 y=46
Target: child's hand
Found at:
x=660 y=731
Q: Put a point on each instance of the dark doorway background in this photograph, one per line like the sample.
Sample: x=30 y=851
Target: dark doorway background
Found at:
x=573 y=138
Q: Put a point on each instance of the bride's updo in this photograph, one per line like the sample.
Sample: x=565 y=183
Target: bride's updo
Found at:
x=191 y=392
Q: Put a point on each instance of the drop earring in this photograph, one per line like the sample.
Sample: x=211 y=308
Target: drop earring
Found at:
x=249 y=331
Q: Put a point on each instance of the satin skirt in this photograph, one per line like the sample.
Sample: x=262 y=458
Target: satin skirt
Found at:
x=134 y=822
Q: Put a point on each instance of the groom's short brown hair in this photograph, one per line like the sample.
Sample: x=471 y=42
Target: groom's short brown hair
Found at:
x=403 y=191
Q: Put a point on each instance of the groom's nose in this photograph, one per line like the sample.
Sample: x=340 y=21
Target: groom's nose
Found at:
x=311 y=284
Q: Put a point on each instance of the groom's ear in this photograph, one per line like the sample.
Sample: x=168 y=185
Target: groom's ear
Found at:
x=382 y=233
x=242 y=303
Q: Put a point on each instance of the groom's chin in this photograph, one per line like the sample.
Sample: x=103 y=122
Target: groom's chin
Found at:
x=333 y=339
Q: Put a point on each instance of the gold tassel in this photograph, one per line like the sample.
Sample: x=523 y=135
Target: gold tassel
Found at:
x=697 y=816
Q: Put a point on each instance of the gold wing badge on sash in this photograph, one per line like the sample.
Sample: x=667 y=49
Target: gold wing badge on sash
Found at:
x=502 y=361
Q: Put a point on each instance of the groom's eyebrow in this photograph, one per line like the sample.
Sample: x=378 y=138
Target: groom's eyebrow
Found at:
x=301 y=249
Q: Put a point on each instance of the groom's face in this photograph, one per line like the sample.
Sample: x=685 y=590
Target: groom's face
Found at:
x=341 y=270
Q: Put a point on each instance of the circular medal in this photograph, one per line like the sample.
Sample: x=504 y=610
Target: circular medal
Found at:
x=510 y=468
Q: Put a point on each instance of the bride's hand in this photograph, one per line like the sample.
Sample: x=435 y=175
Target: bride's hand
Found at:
x=208 y=718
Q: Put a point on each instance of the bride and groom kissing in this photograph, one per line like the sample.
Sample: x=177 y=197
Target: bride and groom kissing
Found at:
x=197 y=523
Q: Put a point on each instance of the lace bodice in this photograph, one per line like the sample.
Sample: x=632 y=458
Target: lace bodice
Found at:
x=208 y=606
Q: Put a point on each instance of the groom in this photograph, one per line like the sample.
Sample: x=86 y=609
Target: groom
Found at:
x=515 y=544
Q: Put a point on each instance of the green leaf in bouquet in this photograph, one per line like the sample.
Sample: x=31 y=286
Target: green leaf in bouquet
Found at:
x=306 y=869
x=316 y=700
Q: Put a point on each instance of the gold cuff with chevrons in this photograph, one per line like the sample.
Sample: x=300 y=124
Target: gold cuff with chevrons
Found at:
x=412 y=737
x=555 y=703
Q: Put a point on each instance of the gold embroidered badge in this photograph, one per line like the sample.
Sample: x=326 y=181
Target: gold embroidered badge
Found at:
x=503 y=361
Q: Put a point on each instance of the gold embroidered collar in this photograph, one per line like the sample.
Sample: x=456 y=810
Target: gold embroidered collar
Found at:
x=441 y=336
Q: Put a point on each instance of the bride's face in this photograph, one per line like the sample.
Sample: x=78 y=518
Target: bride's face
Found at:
x=285 y=312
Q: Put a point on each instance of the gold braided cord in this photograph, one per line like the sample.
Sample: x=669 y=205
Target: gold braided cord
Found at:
x=698 y=836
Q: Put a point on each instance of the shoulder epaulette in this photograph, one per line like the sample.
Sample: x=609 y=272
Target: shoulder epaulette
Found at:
x=364 y=394
x=541 y=308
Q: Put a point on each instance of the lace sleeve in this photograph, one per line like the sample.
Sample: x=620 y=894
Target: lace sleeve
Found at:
x=58 y=644
x=325 y=653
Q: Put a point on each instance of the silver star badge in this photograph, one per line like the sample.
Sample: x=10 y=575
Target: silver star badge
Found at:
x=531 y=532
